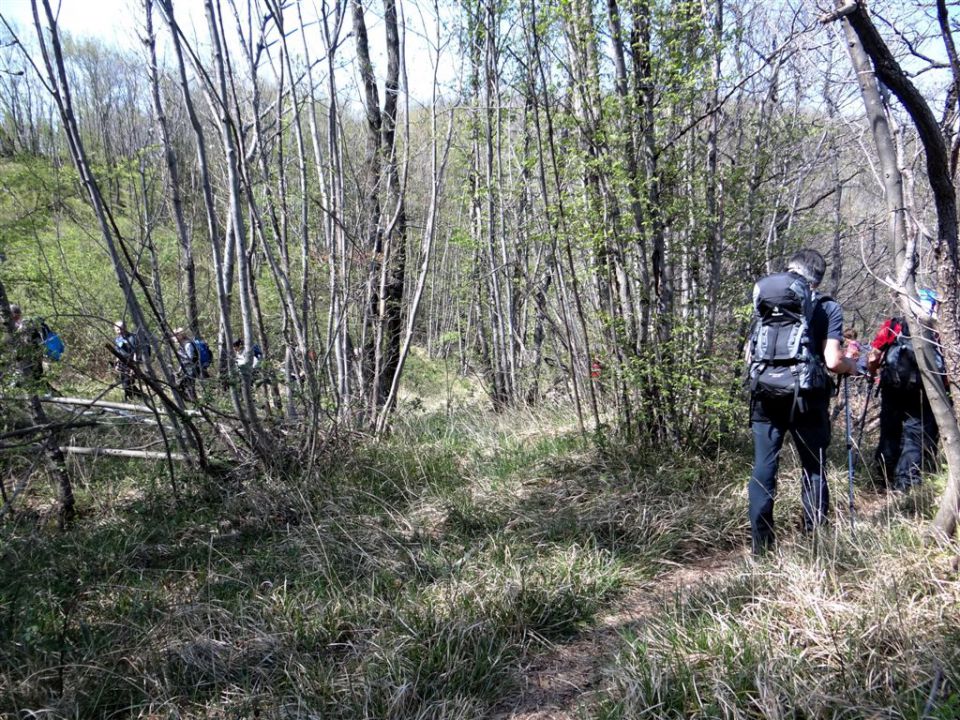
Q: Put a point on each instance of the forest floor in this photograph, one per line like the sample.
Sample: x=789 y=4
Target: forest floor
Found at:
x=558 y=684
x=554 y=684
x=472 y=566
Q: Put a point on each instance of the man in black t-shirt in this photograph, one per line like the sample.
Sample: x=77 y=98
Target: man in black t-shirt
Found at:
x=809 y=423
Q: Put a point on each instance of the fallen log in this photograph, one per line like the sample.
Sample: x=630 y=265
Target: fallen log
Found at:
x=117 y=452
x=111 y=417
x=103 y=404
x=106 y=404
x=87 y=402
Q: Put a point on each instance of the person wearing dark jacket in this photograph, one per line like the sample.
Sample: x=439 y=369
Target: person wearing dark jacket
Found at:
x=188 y=357
x=908 y=430
x=128 y=348
x=808 y=420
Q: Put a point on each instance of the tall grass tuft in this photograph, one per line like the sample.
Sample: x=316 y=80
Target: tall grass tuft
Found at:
x=860 y=624
x=419 y=575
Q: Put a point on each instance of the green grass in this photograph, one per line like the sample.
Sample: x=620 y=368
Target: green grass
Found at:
x=416 y=577
x=861 y=625
x=357 y=592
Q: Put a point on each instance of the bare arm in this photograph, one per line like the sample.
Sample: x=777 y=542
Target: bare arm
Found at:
x=836 y=361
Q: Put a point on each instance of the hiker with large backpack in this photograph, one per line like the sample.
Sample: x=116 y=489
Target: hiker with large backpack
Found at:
x=35 y=342
x=195 y=358
x=908 y=432
x=796 y=338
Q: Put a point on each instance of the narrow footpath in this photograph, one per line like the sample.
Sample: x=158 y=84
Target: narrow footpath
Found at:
x=555 y=684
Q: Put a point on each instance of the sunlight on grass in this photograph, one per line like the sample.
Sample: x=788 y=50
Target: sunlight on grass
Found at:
x=416 y=577
x=865 y=620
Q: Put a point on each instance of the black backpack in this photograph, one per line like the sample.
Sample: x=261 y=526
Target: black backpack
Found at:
x=900 y=370
x=782 y=362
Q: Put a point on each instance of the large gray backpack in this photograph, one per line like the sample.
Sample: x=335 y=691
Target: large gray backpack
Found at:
x=782 y=362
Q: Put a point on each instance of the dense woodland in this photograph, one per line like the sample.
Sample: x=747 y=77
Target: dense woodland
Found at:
x=498 y=259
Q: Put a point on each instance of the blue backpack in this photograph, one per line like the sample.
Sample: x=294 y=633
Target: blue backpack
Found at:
x=126 y=345
x=53 y=345
x=204 y=356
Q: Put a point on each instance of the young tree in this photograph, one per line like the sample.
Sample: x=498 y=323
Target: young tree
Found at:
x=53 y=74
x=866 y=45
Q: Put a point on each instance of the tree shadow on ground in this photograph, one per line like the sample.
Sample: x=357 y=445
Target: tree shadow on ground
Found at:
x=350 y=590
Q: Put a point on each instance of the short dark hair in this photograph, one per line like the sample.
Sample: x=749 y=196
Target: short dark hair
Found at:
x=809 y=263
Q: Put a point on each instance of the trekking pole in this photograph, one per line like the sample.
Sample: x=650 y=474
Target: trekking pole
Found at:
x=863 y=414
x=846 y=402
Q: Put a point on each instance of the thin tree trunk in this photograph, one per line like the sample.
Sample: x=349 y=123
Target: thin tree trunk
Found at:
x=203 y=167
x=245 y=405
x=642 y=46
x=395 y=232
x=712 y=182
x=184 y=235
x=865 y=44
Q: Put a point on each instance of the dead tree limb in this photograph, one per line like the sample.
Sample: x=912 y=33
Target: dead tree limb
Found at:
x=839 y=13
x=108 y=405
x=119 y=452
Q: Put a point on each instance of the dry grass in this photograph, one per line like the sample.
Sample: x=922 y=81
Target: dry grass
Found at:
x=418 y=578
x=855 y=625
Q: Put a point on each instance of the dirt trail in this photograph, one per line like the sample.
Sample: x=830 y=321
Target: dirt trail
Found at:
x=553 y=684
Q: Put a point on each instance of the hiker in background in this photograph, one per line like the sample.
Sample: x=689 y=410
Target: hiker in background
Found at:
x=256 y=357
x=37 y=330
x=850 y=343
x=35 y=341
x=301 y=375
x=128 y=348
x=29 y=367
x=790 y=387
x=908 y=431
x=256 y=354
x=195 y=358
x=16 y=314
x=929 y=302
x=596 y=368
x=854 y=349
